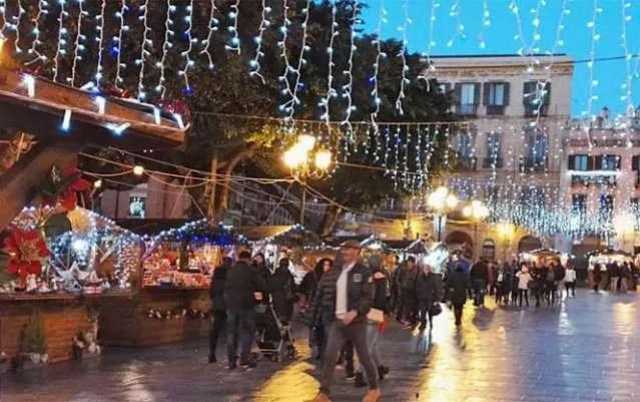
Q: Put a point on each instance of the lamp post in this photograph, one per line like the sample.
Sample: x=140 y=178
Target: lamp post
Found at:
x=476 y=211
x=305 y=161
x=441 y=201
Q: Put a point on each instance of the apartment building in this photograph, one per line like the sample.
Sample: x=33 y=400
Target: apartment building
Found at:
x=508 y=150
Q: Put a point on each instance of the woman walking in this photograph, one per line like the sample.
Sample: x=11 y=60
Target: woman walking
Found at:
x=524 y=277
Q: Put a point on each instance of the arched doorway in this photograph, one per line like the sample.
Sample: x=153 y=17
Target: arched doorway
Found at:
x=529 y=243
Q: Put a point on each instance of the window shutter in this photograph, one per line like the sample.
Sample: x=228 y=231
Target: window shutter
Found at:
x=572 y=162
x=598 y=162
x=527 y=93
x=506 y=93
x=486 y=92
x=591 y=163
x=547 y=96
x=634 y=163
x=458 y=93
x=476 y=93
x=618 y=162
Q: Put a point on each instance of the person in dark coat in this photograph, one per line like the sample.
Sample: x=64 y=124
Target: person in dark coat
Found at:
x=429 y=292
x=407 y=279
x=280 y=286
x=218 y=307
x=243 y=289
x=317 y=334
x=597 y=277
x=343 y=300
x=458 y=284
x=479 y=279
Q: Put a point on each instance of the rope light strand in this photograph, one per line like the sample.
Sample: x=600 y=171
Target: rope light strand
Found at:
x=265 y=23
x=79 y=43
x=62 y=39
x=100 y=23
x=213 y=27
x=33 y=50
x=119 y=40
x=147 y=42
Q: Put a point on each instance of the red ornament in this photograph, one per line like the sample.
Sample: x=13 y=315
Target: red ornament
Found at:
x=178 y=107
x=27 y=249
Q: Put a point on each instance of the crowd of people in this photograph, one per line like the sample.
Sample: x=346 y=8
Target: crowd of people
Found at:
x=346 y=303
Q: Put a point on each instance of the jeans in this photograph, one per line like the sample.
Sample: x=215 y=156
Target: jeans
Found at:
x=241 y=327
x=218 y=323
x=479 y=287
x=424 y=313
x=338 y=333
x=373 y=334
x=523 y=293
x=457 y=311
x=614 y=283
x=571 y=288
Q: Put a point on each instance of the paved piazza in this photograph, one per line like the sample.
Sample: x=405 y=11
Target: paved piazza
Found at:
x=584 y=350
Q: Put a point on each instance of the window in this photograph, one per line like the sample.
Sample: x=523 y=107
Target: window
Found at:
x=536 y=98
x=496 y=97
x=489 y=249
x=137 y=206
x=536 y=150
x=606 y=207
x=579 y=162
x=493 y=158
x=468 y=95
x=464 y=148
x=608 y=162
x=579 y=204
x=444 y=87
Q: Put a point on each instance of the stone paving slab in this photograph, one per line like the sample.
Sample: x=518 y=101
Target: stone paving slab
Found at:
x=586 y=349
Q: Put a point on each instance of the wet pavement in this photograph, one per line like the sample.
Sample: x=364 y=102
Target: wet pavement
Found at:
x=586 y=349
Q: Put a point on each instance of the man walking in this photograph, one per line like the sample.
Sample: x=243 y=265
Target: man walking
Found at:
x=458 y=284
x=219 y=313
x=241 y=292
x=344 y=298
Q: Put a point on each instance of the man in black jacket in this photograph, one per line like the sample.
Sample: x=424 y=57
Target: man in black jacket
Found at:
x=242 y=290
x=343 y=299
x=429 y=291
x=219 y=313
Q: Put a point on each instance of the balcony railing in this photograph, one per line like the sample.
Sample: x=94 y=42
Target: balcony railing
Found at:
x=495 y=110
x=468 y=164
x=531 y=110
x=536 y=165
x=490 y=163
x=469 y=109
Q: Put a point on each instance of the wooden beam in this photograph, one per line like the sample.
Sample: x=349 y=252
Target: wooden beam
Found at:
x=19 y=184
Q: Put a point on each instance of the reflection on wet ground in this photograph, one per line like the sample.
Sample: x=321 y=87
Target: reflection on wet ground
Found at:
x=583 y=350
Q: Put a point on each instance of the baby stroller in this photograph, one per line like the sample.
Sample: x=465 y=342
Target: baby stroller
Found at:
x=274 y=336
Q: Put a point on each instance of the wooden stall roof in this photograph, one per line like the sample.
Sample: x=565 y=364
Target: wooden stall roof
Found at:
x=150 y=227
x=255 y=233
x=42 y=115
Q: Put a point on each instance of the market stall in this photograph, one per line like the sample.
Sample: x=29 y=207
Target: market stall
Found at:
x=172 y=303
x=602 y=258
x=546 y=256
x=58 y=268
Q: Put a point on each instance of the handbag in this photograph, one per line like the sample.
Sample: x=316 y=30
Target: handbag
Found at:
x=375 y=315
x=435 y=309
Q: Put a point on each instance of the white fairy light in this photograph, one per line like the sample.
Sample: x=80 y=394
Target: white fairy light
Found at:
x=431 y=43
x=33 y=50
x=166 y=45
x=144 y=53
x=325 y=103
x=118 y=129
x=627 y=86
x=234 y=45
x=16 y=26
x=265 y=23
x=382 y=18
x=66 y=120
x=79 y=44
x=403 y=58
x=296 y=69
x=348 y=87
x=119 y=39
x=284 y=77
x=486 y=23
x=188 y=62
x=3 y=18
x=515 y=10
x=213 y=27
x=101 y=102
x=454 y=12
x=100 y=39
x=62 y=39
x=156 y=115
x=595 y=37
x=30 y=82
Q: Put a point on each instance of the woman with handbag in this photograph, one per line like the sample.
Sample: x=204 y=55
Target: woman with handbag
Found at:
x=376 y=318
x=429 y=292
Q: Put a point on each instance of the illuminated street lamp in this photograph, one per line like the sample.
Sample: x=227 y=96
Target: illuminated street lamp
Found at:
x=441 y=201
x=305 y=160
x=476 y=211
x=506 y=231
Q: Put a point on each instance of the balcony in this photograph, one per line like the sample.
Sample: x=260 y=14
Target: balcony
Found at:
x=469 y=109
x=531 y=110
x=533 y=165
x=490 y=163
x=468 y=164
x=495 y=110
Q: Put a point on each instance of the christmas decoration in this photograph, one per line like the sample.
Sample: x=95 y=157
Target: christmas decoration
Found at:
x=27 y=250
x=62 y=186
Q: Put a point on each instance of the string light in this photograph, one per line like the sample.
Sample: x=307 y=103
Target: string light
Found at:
x=79 y=44
x=403 y=57
x=188 y=62
x=33 y=50
x=595 y=37
x=119 y=39
x=144 y=53
x=62 y=39
x=627 y=86
x=234 y=45
x=166 y=45
x=100 y=39
x=348 y=87
x=382 y=19
x=325 y=103
x=454 y=12
x=3 y=18
x=212 y=28
x=486 y=23
x=290 y=105
x=265 y=23
x=16 y=26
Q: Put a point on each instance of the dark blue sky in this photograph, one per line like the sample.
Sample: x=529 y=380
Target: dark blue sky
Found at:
x=500 y=37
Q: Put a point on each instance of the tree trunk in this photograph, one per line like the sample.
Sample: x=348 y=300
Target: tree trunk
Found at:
x=225 y=188
x=330 y=219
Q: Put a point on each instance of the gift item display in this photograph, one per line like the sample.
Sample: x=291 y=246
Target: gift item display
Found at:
x=546 y=256
x=185 y=257
x=76 y=252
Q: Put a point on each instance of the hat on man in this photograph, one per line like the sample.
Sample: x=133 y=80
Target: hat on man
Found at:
x=351 y=244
